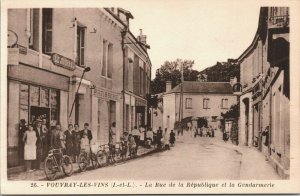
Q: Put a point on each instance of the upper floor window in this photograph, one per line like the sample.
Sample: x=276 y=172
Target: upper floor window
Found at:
x=107 y=59
x=224 y=103
x=80 y=45
x=141 y=81
x=188 y=103
x=47 y=30
x=206 y=103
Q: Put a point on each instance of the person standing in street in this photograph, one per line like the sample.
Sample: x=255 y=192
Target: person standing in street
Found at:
x=46 y=137
x=166 y=139
x=86 y=137
x=22 y=129
x=113 y=132
x=154 y=136
x=225 y=136
x=159 y=136
x=39 y=143
x=112 y=138
x=136 y=135
x=132 y=145
x=55 y=141
x=69 y=141
x=142 y=135
x=172 y=138
x=29 y=140
x=76 y=142
x=149 y=137
x=265 y=140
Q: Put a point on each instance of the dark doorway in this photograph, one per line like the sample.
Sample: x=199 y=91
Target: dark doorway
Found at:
x=40 y=113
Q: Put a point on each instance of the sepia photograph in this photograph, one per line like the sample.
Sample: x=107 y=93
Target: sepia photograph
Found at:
x=149 y=95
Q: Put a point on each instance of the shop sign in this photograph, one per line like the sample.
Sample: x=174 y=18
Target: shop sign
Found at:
x=62 y=61
x=105 y=94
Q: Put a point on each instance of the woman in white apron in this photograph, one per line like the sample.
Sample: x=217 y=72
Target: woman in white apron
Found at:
x=30 y=147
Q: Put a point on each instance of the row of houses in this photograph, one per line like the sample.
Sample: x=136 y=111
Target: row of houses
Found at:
x=50 y=50
x=264 y=92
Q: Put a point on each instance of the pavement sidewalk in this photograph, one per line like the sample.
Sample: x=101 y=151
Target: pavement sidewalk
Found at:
x=40 y=174
x=254 y=165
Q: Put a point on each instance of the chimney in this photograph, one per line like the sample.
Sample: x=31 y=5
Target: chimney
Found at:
x=142 y=38
x=168 y=86
x=233 y=80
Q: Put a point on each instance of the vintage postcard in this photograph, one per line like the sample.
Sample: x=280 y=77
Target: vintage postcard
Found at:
x=186 y=97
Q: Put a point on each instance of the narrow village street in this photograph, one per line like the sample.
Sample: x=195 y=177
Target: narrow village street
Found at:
x=190 y=159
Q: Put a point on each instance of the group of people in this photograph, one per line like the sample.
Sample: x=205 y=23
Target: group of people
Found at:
x=38 y=139
x=203 y=132
x=145 y=138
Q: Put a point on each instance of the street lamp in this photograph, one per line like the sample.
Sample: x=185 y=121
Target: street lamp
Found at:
x=87 y=69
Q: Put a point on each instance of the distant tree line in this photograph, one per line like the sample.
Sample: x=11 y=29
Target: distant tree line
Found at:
x=171 y=71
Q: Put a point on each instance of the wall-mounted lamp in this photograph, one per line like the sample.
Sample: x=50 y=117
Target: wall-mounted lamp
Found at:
x=87 y=69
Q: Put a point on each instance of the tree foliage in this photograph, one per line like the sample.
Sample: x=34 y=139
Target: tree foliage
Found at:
x=233 y=112
x=221 y=72
x=171 y=71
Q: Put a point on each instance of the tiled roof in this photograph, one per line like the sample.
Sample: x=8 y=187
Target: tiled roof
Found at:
x=203 y=87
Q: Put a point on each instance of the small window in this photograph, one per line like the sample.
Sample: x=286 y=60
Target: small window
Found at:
x=224 y=104
x=107 y=59
x=104 y=57
x=206 y=103
x=110 y=60
x=188 y=103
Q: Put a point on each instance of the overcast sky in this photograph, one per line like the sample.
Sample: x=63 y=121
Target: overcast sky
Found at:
x=204 y=31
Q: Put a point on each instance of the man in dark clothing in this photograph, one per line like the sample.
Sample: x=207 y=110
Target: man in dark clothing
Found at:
x=55 y=141
x=40 y=135
x=46 y=137
x=265 y=133
x=22 y=129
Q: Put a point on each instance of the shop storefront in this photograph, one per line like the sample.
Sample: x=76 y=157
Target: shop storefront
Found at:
x=33 y=94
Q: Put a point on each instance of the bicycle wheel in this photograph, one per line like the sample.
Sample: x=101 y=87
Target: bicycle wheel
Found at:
x=82 y=162
x=67 y=165
x=102 y=158
x=94 y=160
x=50 y=168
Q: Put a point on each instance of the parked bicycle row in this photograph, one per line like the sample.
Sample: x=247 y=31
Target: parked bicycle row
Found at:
x=56 y=162
x=74 y=145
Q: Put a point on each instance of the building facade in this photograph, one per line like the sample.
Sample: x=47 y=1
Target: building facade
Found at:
x=264 y=99
x=48 y=51
x=200 y=99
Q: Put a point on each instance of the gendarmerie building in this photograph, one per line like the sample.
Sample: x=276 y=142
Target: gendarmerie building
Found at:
x=49 y=50
x=265 y=89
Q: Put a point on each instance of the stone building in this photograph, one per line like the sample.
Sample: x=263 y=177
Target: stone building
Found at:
x=48 y=51
x=264 y=97
x=200 y=99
